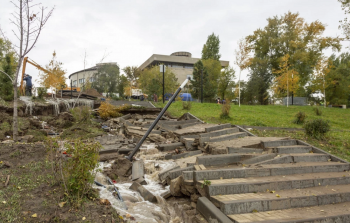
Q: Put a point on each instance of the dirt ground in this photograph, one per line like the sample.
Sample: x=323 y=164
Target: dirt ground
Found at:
x=31 y=195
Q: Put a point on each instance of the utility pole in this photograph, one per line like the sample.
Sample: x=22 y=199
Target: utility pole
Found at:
x=71 y=90
x=202 y=87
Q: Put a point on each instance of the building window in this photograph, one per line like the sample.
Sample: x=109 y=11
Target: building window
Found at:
x=92 y=79
x=188 y=66
x=82 y=81
x=74 y=84
x=190 y=76
x=177 y=65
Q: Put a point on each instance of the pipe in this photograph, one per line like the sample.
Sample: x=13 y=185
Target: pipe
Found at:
x=156 y=121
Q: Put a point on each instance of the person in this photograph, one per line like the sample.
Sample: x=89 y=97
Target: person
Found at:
x=29 y=85
x=218 y=100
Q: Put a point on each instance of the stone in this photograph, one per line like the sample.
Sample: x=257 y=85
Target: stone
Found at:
x=148 y=196
x=194 y=197
x=175 y=186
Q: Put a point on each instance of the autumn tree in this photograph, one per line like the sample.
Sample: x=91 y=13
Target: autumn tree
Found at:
x=54 y=79
x=290 y=34
x=107 y=78
x=286 y=80
x=132 y=73
x=151 y=81
x=226 y=82
x=28 y=26
x=211 y=48
x=320 y=80
x=242 y=61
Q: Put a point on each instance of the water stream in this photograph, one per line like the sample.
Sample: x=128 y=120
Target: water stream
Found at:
x=141 y=210
x=29 y=104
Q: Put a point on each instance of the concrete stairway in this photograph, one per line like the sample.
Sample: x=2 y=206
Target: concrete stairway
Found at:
x=282 y=181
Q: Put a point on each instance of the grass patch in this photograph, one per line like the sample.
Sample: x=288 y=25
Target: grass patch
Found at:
x=82 y=131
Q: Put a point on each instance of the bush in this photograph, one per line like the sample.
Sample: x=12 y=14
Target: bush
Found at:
x=299 y=118
x=186 y=105
x=81 y=114
x=225 y=109
x=317 y=128
x=106 y=110
x=41 y=92
x=318 y=111
x=76 y=174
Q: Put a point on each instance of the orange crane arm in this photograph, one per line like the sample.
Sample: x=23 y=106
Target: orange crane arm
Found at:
x=25 y=61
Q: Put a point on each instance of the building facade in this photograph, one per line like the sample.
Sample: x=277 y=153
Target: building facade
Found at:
x=79 y=78
x=180 y=63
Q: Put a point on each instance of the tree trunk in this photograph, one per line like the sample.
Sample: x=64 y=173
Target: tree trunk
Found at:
x=15 y=113
x=239 y=88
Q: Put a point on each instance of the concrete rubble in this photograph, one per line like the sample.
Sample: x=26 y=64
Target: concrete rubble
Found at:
x=229 y=175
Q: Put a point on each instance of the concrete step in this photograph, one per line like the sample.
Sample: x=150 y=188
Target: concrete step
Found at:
x=279 y=200
x=221 y=160
x=326 y=214
x=297 y=158
x=170 y=146
x=218 y=127
x=219 y=132
x=182 y=155
x=232 y=150
x=223 y=137
x=292 y=149
x=259 y=158
x=210 y=212
x=271 y=170
x=261 y=184
x=277 y=143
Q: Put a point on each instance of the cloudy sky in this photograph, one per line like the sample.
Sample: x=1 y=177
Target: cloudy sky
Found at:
x=130 y=31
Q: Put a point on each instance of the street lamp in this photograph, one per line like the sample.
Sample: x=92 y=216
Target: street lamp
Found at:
x=292 y=88
x=162 y=69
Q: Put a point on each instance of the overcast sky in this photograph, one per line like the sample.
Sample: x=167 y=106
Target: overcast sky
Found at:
x=130 y=31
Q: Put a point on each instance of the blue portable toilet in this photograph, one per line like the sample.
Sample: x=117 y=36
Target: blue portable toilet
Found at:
x=186 y=97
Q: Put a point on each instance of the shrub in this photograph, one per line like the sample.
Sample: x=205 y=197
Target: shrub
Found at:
x=225 y=109
x=299 y=118
x=316 y=128
x=41 y=92
x=106 y=110
x=187 y=105
x=81 y=114
x=318 y=111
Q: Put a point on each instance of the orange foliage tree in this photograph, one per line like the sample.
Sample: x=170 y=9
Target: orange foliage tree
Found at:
x=54 y=79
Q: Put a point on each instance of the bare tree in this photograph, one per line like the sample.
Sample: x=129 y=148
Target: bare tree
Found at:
x=28 y=26
x=242 y=61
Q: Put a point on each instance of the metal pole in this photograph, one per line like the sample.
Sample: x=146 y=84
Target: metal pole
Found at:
x=163 y=86
x=157 y=119
x=202 y=87
x=71 y=90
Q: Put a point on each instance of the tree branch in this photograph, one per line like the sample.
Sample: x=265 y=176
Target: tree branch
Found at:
x=7 y=75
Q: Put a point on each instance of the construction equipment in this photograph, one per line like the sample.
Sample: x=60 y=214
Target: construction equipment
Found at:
x=25 y=61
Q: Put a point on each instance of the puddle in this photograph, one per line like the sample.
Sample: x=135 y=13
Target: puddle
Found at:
x=144 y=211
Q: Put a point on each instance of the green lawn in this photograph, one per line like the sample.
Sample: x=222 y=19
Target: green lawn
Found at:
x=336 y=142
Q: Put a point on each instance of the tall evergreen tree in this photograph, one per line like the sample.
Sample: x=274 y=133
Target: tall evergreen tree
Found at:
x=209 y=89
x=8 y=66
x=211 y=48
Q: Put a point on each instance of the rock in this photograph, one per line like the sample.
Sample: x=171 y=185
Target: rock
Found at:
x=175 y=186
x=193 y=205
x=105 y=202
x=194 y=197
x=186 y=207
x=156 y=138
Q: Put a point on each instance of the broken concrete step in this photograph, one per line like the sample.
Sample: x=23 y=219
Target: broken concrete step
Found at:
x=258 y=159
x=279 y=200
x=271 y=170
x=244 y=150
x=109 y=149
x=219 y=132
x=221 y=160
x=163 y=174
x=189 y=137
x=148 y=196
x=297 y=158
x=125 y=151
x=277 y=143
x=325 y=213
x=170 y=146
x=188 y=143
x=183 y=155
x=261 y=184
x=176 y=173
x=138 y=169
x=165 y=122
x=210 y=212
x=217 y=127
x=222 y=138
x=292 y=149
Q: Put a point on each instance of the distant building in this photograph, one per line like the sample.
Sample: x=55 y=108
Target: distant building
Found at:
x=180 y=63
x=79 y=78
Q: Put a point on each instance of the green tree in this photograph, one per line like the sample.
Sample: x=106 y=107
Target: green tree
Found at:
x=8 y=65
x=123 y=84
x=151 y=81
x=107 y=79
x=209 y=85
x=290 y=34
x=132 y=73
x=226 y=83
x=211 y=48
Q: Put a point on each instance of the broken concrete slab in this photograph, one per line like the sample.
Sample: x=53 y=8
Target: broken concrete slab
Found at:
x=276 y=143
x=124 y=151
x=148 y=196
x=221 y=160
x=176 y=173
x=221 y=138
x=170 y=146
x=138 y=169
x=199 y=128
x=217 y=127
x=232 y=150
x=166 y=194
x=259 y=158
x=184 y=155
x=163 y=174
x=219 y=132
x=210 y=212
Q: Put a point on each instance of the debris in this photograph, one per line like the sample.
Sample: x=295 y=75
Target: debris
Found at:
x=148 y=196
x=105 y=202
x=61 y=204
x=34 y=215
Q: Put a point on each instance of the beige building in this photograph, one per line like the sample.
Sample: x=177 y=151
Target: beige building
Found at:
x=79 y=78
x=180 y=63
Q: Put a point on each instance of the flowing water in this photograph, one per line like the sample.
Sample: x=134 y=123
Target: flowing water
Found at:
x=29 y=104
x=137 y=207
